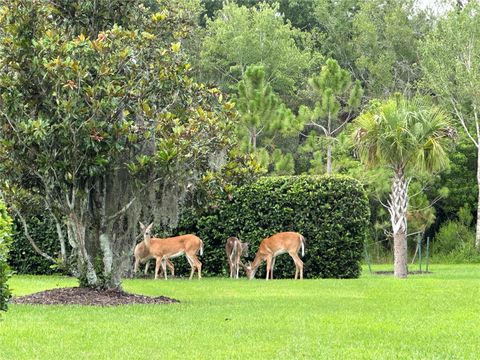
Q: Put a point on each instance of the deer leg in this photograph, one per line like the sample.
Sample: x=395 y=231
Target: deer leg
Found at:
x=190 y=261
x=157 y=266
x=171 y=267
x=164 y=267
x=135 y=268
x=146 y=267
x=199 y=268
x=271 y=270
x=237 y=265
x=298 y=265
x=269 y=266
x=230 y=265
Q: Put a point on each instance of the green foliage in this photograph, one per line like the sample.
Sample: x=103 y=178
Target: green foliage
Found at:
x=262 y=117
x=239 y=37
x=404 y=135
x=336 y=97
x=386 y=38
x=459 y=178
x=447 y=59
x=455 y=241
x=99 y=108
x=5 y=242
x=331 y=212
x=22 y=257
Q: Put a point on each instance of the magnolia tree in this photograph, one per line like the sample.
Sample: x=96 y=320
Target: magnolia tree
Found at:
x=101 y=119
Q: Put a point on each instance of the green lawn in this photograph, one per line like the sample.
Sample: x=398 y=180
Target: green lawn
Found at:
x=435 y=316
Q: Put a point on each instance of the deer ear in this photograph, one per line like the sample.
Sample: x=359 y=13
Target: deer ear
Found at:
x=149 y=227
x=142 y=226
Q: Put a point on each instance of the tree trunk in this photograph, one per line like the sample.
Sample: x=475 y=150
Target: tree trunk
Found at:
x=329 y=159
x=398 y=214
x=477 y=234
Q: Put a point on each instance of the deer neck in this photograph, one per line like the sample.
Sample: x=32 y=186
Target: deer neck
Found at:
x=148 y=242
x=256 y=263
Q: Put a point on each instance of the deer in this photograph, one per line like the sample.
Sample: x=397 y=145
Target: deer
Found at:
x=234 y=249
x=142 y=255
x=172 y=247
x=277 y=244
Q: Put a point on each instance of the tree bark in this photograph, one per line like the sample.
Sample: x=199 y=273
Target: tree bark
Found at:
x=329 y=159
x=398 y=214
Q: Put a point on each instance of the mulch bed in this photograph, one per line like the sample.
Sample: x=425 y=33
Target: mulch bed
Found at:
x=87 y=296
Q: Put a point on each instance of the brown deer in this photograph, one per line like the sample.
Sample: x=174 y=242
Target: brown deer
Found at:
x=142 y=255
x=271 y=247
x=234 y=249
x=168 y=248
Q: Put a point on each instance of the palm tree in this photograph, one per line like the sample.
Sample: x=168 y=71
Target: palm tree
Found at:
x=407 y=136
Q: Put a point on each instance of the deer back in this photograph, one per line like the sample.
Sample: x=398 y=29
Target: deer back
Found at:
x=284 y=241
x=231 y=246
x=170 y=246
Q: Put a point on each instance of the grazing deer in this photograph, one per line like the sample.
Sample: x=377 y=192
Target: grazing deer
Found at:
x=142 y=255
x=281 y=243
x=234 y=249
x=164 y=249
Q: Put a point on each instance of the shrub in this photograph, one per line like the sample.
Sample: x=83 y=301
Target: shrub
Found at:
x=455 y=240
x=331 y=212
x=5 y=240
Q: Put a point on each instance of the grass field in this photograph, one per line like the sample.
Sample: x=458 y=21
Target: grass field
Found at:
x=434 y=316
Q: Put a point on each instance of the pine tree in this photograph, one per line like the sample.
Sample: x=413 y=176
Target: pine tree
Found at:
x=262 y=117
x=337 y=97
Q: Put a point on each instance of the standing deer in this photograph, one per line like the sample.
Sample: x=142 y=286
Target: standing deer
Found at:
x=142 y=255
x=271 y=247
x=164 y=249
x=234 y=249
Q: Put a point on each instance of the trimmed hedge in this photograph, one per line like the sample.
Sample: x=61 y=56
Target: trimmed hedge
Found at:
x=332 y=213
x=5 y=240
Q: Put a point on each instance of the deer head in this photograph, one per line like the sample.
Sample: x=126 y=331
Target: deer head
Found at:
x=146 y=231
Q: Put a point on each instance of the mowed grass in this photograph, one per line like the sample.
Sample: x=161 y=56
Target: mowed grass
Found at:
x=434 y=316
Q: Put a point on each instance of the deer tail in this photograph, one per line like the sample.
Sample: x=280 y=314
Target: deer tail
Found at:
x=302 y=240
x=201 y=247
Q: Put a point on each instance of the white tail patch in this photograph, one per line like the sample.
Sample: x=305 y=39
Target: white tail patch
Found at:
x=302 y=240
x=201 y=248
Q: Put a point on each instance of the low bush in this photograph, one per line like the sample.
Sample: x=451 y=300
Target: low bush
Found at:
x=331 y=212
x=455 y=240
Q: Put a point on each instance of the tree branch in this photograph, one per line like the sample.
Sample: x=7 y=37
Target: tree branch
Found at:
x=29 y=238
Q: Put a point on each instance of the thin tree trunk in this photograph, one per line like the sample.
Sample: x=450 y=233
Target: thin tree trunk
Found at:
x=477 y=235
x=329 y=159
x=398 y=214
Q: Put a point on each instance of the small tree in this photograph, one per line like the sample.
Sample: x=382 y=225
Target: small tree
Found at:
x=336 y=97
x=406 y=136
x=263 y=116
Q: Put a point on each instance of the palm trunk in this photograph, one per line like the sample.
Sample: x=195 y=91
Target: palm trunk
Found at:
x=398 y=214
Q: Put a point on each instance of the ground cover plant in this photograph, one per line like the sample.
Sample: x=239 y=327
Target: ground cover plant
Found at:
x=430 y=316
